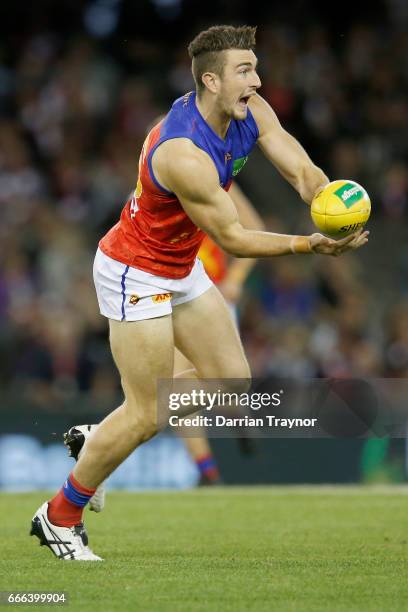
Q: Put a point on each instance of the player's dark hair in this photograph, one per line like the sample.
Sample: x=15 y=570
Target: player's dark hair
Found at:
x=206 y=50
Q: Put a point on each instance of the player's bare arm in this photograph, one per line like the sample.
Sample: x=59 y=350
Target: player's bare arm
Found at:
x=187 y=171
x=285 y=152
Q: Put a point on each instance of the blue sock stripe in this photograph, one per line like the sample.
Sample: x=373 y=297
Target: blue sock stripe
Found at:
x=74 y=496
x=207 y=464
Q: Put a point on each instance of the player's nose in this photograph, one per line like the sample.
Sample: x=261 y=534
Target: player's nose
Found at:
x=256 y=81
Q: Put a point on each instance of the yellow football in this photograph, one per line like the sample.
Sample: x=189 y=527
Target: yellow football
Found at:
x=341 y=208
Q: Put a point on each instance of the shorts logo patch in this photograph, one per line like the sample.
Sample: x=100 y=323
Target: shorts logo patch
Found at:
x=161 y=297
x=134 y=299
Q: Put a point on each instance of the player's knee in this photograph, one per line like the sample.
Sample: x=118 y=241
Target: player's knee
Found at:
x=239 y=372
x=234 y=378
x=237 y=369
x=148 y=428
x=235 y=385
x=142 y=425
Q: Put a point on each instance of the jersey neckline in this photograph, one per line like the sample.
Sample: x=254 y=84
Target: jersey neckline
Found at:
x=208 y=126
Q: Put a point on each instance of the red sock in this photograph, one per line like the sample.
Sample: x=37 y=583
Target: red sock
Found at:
x=65 y=509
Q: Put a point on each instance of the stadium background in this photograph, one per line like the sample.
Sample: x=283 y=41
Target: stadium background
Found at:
x=79 y=82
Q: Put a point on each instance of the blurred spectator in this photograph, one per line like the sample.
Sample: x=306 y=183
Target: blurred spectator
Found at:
x=396 y=343
x=395 y=191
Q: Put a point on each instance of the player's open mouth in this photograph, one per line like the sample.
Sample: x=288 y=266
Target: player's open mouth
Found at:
x=243 y=101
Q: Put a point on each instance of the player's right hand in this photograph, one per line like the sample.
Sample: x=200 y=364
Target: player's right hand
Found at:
x=327 y=246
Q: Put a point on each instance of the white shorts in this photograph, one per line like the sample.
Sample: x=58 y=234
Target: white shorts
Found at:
x=129 y=294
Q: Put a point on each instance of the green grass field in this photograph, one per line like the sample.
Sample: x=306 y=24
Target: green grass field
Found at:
x=224 y=549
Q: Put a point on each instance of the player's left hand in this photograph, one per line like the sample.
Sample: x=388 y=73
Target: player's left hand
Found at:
x=327 y=246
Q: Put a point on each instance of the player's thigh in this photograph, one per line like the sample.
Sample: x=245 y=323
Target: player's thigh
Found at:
x=143 y=352
x=207 y=336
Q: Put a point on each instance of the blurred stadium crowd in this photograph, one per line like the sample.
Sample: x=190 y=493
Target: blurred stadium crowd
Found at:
x=73 y=117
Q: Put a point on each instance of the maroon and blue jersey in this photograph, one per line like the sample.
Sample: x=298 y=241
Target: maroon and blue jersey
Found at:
x=154 y=233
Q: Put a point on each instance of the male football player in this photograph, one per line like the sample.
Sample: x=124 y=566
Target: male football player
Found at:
x=149 y=283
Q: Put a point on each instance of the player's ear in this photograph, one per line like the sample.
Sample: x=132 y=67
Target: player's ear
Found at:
x=211 y=81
